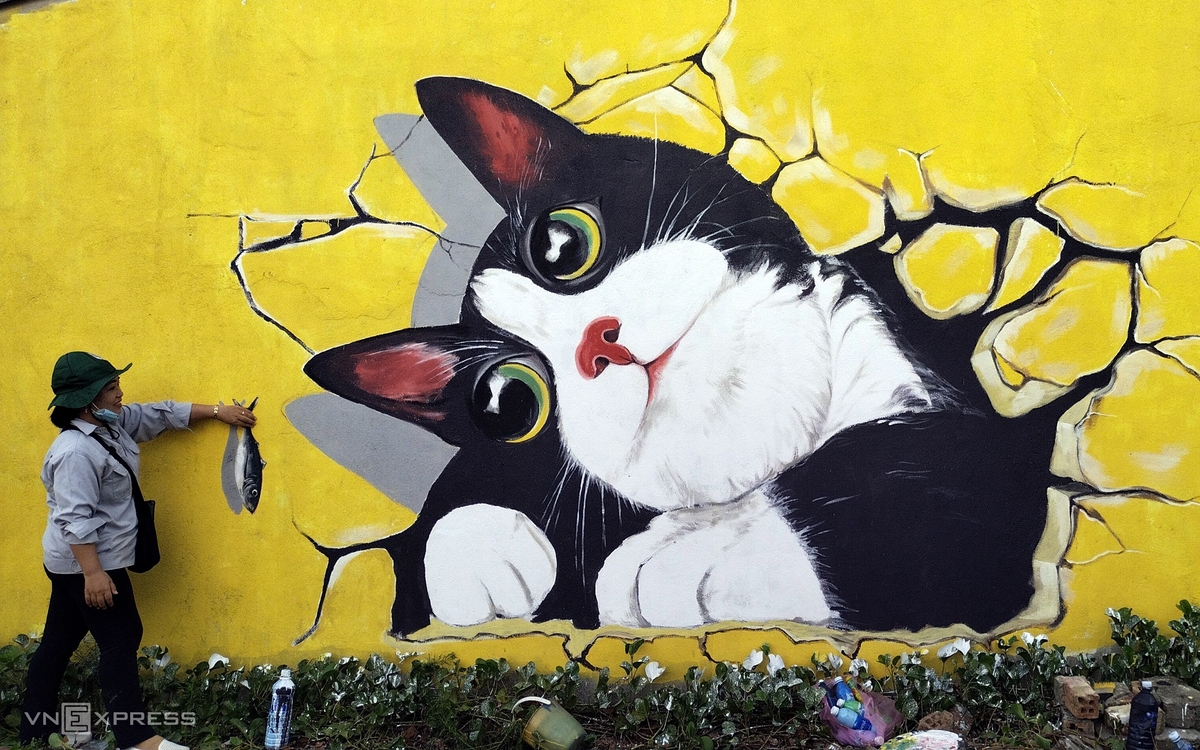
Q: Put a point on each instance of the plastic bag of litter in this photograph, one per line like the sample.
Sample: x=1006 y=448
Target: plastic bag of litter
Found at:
x=858 y=718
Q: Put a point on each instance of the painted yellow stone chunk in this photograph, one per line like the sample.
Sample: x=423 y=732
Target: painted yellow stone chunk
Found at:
x=664 y=648
x=753 y=159
x=667 y=114
x=1150 y=578
x=1092 y=540
x=891 y=245
x=1075 y=328
x=385 y=192
x=735 y=645
x=1064 y=461
x=1143 y=430
x=610 y=93
x=258 y=231
x=1184 y=351
x=833 y=211
x=1108 y=216
x=761 y=94
x=906 y=187
x=1168 y=300
x=608 y=38
x=1056 y=538
x=1010 y=392
x=696 y=84
x=1030 y=252
x=948 y=270
x=315 y=288
x=314 y=228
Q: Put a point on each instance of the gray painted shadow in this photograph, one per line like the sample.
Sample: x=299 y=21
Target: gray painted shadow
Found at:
x=457 y=197
x=398 y=458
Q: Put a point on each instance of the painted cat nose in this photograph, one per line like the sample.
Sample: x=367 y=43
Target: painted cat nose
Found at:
x=599 y=348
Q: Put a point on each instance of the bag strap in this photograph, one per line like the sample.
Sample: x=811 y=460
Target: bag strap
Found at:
x=137 y=490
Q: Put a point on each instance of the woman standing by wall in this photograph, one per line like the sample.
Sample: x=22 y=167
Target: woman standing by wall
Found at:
x=90 y=474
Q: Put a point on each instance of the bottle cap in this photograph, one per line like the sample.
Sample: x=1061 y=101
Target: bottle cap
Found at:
x=1147 y=684
x=1173 y=736
x=285 y=672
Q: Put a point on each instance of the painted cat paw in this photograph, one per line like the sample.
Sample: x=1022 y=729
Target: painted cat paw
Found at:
x=483 y=562
x=738 y=561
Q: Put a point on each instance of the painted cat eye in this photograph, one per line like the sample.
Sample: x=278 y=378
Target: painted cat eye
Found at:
x=565 y=243
x=511 y=401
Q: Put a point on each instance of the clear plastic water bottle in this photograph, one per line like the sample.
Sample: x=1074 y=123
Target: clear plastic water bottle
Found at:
x=1179 y=742
x=1143 y=719
x=279 y=719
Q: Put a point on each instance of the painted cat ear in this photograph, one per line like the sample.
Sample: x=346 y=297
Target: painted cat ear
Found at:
x=508 y=142
x=404 y=374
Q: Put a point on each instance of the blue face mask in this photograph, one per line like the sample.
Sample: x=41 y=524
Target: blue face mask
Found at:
x=108 y=416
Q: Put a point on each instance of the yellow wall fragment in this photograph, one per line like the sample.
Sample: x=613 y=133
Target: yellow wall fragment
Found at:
x=1075 y=328
x=753 y=159
x=648 y=34
x=1010 y=392
x=891 y=245
x=311 y=229
x=833 y=211
x=666 y=649
x=1092 y=540
x=1167 y=294
x=949 y=269
x=696 y=84
x=1150 y=578
x=610 y=93
x=1143 y=430
x=760 y=94
x=1185 y=351
x=667 y=114
x=906 y=188
x=311 y=287
x=1030 y=252
x=258 y=231
x=1108 y=216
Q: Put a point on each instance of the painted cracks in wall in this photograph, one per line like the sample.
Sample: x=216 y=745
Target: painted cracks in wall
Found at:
x=1023 y=264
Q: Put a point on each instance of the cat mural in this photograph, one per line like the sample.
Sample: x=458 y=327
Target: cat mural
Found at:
x=670 y=412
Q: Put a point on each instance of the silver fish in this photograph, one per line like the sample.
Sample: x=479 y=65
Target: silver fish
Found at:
x=247 y=466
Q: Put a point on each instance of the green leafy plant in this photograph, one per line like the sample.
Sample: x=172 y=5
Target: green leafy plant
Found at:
x=344 y=704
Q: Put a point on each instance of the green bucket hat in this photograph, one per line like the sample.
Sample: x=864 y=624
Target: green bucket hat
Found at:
x=79 y=377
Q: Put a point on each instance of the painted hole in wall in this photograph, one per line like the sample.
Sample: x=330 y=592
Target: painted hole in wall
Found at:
x=676 y=381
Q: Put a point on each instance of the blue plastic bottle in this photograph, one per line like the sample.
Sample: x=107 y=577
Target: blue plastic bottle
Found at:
x=1179 y=742
x=855 y=721
x=1143 y=719
x=279 y=719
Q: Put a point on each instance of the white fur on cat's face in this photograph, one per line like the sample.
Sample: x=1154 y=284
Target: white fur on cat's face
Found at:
x=758 y=377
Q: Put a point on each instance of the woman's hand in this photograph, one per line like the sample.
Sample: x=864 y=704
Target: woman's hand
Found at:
x=230 y=414
x=237 y=416
x=98 y=590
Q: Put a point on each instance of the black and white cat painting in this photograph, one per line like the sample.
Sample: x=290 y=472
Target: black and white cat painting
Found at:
x=670 y=412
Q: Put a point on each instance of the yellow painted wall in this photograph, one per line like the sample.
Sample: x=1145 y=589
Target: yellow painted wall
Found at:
x=136 y=137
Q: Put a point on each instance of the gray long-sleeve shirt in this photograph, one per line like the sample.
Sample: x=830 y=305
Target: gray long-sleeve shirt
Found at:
x=90 y=494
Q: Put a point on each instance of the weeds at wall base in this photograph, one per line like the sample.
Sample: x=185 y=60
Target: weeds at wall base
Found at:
x=347 y=704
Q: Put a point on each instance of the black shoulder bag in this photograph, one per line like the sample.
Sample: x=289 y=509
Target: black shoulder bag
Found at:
x=146 y=551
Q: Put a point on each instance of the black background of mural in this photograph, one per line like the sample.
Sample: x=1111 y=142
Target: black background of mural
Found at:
x=926 y=520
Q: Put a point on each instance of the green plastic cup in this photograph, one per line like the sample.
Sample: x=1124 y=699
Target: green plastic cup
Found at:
x=552 y=727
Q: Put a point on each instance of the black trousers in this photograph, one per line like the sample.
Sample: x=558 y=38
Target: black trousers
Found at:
x=118 y=634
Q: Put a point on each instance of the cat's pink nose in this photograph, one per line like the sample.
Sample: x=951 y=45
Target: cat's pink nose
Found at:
x=599 y=348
